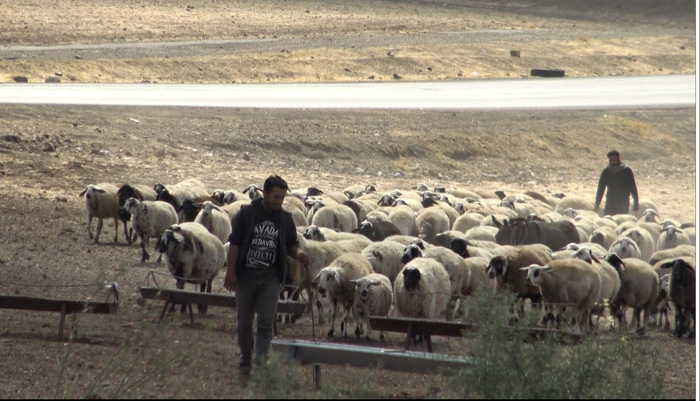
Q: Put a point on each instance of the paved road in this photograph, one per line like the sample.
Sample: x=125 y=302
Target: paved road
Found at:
x=657 y=91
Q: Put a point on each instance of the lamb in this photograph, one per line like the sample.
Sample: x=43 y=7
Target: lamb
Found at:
x=385 y=258
x=626 y=248
x=457 y=270
x=373 y=297
x=671 y=238
x=339 y=217
x=404 y=218
x=422 y=289
x=101 y=201
x=682 y=292
x=334 y=282
x=431 y=222
x=639 y=288
x=320 y=255
x=215 y=220
x=193 y=255
x=567 y=281
x=126 y=191
x=150 y=219
x=644 y=241
x=377 y=231
x=661 y=305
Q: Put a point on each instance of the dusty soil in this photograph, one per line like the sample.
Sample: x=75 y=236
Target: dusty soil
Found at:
x=49 y=154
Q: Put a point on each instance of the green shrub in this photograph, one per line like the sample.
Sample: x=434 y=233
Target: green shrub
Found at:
x=511 y=365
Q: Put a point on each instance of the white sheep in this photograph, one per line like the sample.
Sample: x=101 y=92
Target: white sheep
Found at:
x=603 y=236
x=458 y=272
x=334 y=282
x=575 y=203
x=431 y=222
x=467 y=221
x=140 y=192
x=567 y=282
x=677 y=252
x=373 y=297
x=422 y=289
x=339 y=217
x=235 y=207
x=625 y=247
x=385 y=258
x=101 y=201
x=150 y=219
x=609 y=279
x=176 y=194
x=215 y=220
x=404 y=218
x=639 y=288
x=644 y=241
x=320 y=255
x=193 y=255
x=481 y=233
x=672 y=237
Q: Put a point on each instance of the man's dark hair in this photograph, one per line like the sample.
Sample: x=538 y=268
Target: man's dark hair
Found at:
x=275 y=181
x=613 y=153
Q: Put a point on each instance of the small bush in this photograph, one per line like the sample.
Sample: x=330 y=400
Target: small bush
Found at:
x=511 y=365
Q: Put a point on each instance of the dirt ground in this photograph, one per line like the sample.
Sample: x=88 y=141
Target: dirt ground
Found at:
x=49 y=154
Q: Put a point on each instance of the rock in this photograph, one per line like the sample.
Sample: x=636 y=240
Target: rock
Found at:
x=49 y=148
x=52 y=80
x=20 y=79
x=515 y=53
x=246 y=156
x=396 y=76
x=370 y=77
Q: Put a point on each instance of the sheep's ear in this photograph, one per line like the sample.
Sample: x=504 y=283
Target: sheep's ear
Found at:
x=667 y=265
x=83 y=193
x=316 y=280
x=595 y=259
x=496 y=222
x=546 y=268
x=198 y=204
x=216 y=207
x=336 y=276
x=98 y=189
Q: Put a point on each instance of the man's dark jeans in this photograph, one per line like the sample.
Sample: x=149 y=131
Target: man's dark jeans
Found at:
x=256 y=292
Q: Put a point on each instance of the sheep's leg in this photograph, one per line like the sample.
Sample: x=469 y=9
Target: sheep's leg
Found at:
x=319 y=308
x=333 y=313
x=202 y=308
x=116 y=230
x=679 y=320
x=692 y=315
x=144 y=255
x=99 y=229
x=344 y=324
x=89 y=229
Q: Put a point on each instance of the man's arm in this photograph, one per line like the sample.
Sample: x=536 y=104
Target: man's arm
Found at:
x=231 y=279
x=633 y=190
x=602 y=183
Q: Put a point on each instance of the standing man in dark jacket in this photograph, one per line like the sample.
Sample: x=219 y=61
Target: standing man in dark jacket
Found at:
x=262 y=236
x=619 y=180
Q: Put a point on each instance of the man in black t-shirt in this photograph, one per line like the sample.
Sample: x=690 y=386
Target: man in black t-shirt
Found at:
x=619 y=180
x=262 y=235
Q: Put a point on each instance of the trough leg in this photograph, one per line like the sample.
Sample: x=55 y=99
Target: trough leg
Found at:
x=165 y=307
x=62 y=322
x=409 y=334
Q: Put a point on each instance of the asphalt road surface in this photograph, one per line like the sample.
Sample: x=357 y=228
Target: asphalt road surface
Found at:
x=635 y=92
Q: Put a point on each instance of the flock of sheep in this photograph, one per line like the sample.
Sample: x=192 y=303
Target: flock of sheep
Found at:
x=422 y=252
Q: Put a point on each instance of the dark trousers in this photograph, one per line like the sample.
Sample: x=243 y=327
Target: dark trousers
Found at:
x=256 y=293
x=616 y=207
